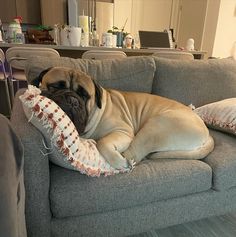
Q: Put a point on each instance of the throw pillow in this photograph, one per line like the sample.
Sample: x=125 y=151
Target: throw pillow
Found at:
x=220 y=115
x=76 y=153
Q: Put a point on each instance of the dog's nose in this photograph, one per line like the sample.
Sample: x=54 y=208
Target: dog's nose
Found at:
x=72 y=101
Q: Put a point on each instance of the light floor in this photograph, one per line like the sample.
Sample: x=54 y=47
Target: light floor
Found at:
x=221 y=226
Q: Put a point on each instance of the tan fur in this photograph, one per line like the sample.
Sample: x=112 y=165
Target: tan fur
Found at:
x=134 y=125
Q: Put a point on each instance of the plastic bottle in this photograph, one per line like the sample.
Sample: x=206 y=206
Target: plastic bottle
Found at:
x=14 y=28
x=95 y=38
x=2 y=36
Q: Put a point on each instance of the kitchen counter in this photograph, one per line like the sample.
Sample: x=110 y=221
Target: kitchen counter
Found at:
x=76 y=52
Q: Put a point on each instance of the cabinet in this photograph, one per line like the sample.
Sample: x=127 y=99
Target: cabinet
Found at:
x=53 y=12
x=28 y=9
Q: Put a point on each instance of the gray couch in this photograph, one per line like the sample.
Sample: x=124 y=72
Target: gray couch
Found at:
x=156 y=194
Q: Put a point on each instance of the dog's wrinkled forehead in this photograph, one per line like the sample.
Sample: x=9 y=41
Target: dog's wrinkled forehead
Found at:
x=54 y=74
x=72 y=78
x=58 y=79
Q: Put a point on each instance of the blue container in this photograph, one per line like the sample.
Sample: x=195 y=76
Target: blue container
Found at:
x=119 y=39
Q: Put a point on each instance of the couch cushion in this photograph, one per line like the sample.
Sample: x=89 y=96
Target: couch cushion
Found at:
x=73 y=194
x=132 y=73
x=223 y=160
x=198 y=82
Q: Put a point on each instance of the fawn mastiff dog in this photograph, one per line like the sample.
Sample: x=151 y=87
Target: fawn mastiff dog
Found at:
x=126 y=125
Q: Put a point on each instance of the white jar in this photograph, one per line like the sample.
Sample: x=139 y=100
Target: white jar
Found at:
x=107 y=40
x=114 y=41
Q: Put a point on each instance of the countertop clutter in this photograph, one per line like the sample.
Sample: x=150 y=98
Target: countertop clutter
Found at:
x=73 y=41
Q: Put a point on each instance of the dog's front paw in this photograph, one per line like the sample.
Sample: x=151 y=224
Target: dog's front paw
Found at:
x=112 y=155
x=128 y=155
x=119 y=163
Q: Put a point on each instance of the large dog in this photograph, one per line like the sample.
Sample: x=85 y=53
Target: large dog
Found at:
x=126 y=125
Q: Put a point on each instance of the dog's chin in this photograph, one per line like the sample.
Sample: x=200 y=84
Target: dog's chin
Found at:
x=73 y=105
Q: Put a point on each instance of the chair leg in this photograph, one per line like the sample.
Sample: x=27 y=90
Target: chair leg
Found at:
x=17 y=86
x=8 y=98
x=11 y=90
x=5 y=100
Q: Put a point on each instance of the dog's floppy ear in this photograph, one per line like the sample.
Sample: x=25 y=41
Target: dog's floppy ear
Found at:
x=39 y=78
x=98 y=94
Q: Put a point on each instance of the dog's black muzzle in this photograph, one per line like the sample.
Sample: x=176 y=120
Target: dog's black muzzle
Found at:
x=72 y=104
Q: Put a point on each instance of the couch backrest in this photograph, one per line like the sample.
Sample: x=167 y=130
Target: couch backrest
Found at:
x=195 y=81
x=131 y=74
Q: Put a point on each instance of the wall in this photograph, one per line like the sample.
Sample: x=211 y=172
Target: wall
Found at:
x=191 y=22
x=211 y=20
x=104 y=19
x=156 y=15
x=211 y=23
x=123 y=12
x=152 y=15
x=186 y=17
x=28 y=9
x=175 y=17
x=53 y=12
x=226 y=29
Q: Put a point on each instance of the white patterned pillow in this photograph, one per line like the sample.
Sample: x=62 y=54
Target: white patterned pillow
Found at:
x=51 y=120
x=220 y=115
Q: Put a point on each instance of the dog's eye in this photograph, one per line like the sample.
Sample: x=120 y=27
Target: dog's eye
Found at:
x=57 y=85
x=83 y=93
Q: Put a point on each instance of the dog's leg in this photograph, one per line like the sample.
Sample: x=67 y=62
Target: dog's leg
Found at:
x=142 y=144
x=111 y=147
x=172 y=134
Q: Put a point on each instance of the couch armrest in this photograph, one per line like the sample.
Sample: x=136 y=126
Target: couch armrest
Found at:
x=36 y=173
